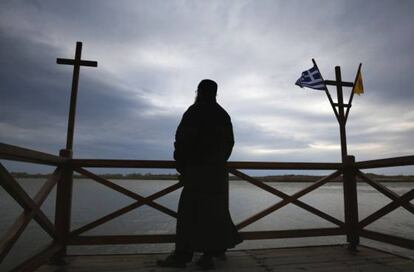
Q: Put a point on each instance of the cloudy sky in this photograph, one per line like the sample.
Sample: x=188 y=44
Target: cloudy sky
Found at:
x=152 y=54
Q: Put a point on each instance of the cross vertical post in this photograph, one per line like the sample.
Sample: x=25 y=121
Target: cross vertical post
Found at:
x=341 y=113
x=73 y=97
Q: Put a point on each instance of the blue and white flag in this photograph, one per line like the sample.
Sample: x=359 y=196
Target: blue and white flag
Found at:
x=311 y=78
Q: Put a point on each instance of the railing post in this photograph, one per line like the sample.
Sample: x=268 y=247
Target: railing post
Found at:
x=63 y=208
x=351 y=202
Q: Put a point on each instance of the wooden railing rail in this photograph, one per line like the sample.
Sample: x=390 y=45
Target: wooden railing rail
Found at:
x=91 y=163
x=170 y=238
x=386 y=238
x=15 y=153
x=388 y=162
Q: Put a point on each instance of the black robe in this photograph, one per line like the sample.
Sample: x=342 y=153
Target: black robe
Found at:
x=203 y=143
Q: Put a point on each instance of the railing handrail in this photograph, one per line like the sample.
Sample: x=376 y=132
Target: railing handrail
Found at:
x=387 y=162
x=254 y=165
x=16 y=153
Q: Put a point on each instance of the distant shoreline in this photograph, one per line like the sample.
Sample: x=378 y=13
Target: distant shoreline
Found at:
x=276 y=178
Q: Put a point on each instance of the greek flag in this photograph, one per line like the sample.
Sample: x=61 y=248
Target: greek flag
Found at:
x=311 y=78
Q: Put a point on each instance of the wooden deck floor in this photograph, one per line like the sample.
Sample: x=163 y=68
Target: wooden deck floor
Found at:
x=318 y=258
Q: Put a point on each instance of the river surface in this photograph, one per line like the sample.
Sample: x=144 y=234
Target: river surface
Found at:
x=92 y=201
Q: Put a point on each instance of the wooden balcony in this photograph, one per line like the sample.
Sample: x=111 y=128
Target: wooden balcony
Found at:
x=352 y=226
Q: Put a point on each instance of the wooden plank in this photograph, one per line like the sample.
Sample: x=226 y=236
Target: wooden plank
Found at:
x=24 y=200
x=124 y=210
x=284 y=165
x=286 y=199
x=342 y=129
x=332 y=103
x=126 y=192
x=350 y=202
x=343 y=83
x=122 y=239
x=13 y=234
x=39 y=259
x=89 y=63
x=15 y=153
x=327 y=93
x=319 y=213
x=63 y=207
x=388 y=162
x=389 y=239
x=298 y=233
x=387 y=208
x=344 y=105
x=170 y=238
x=387 y=192
x=92 y=163
x=106 y=218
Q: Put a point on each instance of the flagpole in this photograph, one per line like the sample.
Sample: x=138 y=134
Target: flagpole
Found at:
x=327 y=91
x=348 y=162
x=340 y=114
x=352 y=93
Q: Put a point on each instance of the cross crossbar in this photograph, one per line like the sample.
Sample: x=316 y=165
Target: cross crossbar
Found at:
x=344 y=105
x=343 y=83
x=89 y=63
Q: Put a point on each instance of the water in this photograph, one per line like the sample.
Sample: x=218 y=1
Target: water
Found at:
x=92 y=201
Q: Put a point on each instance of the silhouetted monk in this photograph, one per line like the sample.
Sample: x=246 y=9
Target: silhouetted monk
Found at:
x=203 y=143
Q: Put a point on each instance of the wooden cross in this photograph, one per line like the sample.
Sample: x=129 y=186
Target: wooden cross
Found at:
x=77 y=62
x=349 y=180
x=340 y=113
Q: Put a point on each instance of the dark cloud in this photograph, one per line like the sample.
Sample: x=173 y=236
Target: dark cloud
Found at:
x=35 y=104
x=152 y=54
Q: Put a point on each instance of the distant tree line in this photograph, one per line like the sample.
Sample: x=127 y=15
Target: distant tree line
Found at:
x=146 y=176
x=276 y=178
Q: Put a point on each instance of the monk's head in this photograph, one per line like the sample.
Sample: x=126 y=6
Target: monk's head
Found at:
x=206 y=91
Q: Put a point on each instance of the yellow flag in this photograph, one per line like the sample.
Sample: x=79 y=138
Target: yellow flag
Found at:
x=358 y=85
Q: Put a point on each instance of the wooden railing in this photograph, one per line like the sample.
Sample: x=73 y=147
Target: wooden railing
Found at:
x=63 y=236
